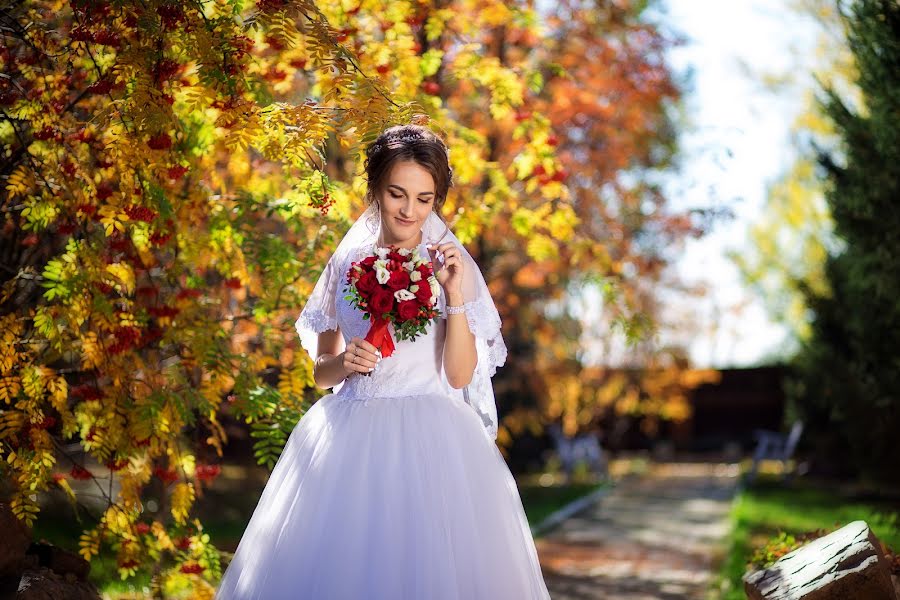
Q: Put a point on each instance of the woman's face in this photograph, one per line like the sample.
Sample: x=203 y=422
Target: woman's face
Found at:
x=406 y=199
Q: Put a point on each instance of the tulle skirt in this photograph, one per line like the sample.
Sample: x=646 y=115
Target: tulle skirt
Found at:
x=392 y=498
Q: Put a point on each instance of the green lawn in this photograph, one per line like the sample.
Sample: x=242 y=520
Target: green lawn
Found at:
x=764 y=510
x=541 y=501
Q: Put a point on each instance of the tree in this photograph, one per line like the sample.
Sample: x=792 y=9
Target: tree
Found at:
x=176 y=176
x=849 y=373
x=610 y=97
x=792 y=238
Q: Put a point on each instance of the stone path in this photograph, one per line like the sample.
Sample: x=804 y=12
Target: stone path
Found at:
x=656 y=536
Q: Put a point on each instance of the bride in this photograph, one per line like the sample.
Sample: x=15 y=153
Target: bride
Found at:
x=391 y=487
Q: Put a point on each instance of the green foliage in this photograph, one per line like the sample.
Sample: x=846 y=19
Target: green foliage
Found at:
x=849 y=371
x=272 y=434
x=780 y=545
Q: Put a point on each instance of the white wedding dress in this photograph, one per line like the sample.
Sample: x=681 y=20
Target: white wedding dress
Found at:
x=389 y=488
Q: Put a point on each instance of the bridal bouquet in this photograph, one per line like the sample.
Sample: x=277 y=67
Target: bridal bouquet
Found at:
x=395 y=285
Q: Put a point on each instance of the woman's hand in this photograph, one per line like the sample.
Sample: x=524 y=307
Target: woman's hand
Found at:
x=450 y=275
x=360 y=356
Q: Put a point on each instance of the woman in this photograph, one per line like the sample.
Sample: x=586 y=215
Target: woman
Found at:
x=391 y=487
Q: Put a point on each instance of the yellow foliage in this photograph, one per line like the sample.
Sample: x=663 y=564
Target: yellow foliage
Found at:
x=541 y=247
x=123 y=274
x=20 y=181
x=89 y=543
x=242 y=226
x=182 y=500
x=9 y=388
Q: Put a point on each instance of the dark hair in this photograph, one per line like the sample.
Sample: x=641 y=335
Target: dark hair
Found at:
x=409 y=142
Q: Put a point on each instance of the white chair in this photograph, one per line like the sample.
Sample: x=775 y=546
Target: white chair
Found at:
x=583 y=446
x=772 y=445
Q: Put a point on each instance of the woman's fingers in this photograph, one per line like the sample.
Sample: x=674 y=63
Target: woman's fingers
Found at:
x=367 y=355
x=448 y=251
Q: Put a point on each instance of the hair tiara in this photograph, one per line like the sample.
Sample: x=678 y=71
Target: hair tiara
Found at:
x=403 y=138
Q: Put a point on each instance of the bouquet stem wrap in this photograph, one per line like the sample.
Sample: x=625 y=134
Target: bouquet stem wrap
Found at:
x=380 y=336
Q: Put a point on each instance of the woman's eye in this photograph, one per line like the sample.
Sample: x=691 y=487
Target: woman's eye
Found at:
x=424 y=201
x=396 y=196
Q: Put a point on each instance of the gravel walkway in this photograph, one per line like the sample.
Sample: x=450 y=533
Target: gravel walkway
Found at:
x=655 y=536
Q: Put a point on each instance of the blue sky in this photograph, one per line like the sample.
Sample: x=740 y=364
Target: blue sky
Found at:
x=736 y=144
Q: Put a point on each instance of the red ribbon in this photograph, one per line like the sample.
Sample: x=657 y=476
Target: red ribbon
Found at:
x=380 y=336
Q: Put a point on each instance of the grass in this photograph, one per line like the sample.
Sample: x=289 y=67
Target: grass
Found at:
x=541 y=501
x=769 y=507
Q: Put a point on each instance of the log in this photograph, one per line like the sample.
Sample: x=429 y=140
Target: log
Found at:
x=846 y=564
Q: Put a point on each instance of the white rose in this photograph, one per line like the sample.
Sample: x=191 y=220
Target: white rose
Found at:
x=414 y=288
x=435 y=287
x=409 y=266
x=381 y=272
x=381 y=252
x=402 y=295
x=404 y=251
x=415 y=276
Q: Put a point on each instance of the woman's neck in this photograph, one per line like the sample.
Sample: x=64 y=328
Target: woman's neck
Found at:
x=384 y=244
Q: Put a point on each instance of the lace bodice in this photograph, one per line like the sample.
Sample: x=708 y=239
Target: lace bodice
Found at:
x=415 y=366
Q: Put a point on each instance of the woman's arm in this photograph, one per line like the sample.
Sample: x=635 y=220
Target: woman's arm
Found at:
x=460 y=355
x=333 y=366
x=329 y=370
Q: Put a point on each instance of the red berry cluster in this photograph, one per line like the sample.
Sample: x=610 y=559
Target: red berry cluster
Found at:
x=163 y=311
x=86 y=392
x=116 y=464
x=188 y=293
x=102 y=86
x=160 y=141
x=208 y=472
x=166 y=475
x=140 y=213
x=165 y=69
x=191 y=568
x=104 y=191
x=170 y=14
x=323 y=204
x=48 y=132
x=126 y=337
x=242 y=45
x=79 y=472
x=159 y=239
x=177 y=171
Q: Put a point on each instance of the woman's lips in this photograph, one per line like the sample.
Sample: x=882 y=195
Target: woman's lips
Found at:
x=405 y=222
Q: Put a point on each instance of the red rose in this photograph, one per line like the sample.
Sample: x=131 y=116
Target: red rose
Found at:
x=367 y=284
x=423 y=294
x=408 y=309
x=369 y=261
x=382 y=301
x=399 y=280
x=394 y=255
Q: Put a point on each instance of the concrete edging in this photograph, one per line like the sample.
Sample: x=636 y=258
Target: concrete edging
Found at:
x=572 y=508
